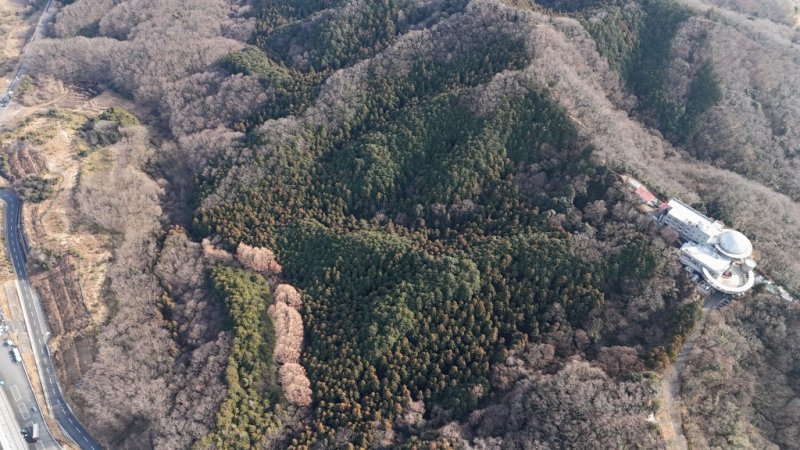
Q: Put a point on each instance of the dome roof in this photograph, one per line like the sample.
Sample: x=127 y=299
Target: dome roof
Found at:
x=734 y=244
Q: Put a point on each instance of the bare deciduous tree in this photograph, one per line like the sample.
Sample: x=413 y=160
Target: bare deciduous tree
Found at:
x=258 y=259
x=288 y=326
x=214 y=254
x=285 y=293
x=295 y=384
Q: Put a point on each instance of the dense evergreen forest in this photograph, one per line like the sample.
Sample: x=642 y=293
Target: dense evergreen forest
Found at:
x=430 y=238
x=250 y=375
x=399 y=223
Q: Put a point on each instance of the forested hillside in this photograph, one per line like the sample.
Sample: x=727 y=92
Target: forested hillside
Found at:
x=742 y=389
x=438 y=179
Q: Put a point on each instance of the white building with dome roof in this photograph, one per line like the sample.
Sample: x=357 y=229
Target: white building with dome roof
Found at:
x=720 y=255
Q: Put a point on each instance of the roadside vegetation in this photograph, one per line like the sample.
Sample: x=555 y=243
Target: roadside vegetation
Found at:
x=436 y=180
x=35 y=188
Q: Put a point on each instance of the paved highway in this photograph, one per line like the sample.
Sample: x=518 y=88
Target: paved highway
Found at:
x=16 y=381
x=38 y=332
x=16 y=386
x=38 y=32
x=10 y=436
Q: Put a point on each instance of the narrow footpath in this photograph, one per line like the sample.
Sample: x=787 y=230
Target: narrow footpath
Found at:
x=672 y=378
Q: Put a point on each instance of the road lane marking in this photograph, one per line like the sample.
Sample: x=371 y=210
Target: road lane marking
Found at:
x=23 y=410
x=15 y=393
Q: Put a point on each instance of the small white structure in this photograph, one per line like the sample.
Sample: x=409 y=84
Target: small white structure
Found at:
x=719 y=254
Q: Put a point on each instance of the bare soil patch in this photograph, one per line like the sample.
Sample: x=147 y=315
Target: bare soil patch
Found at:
x=70 y=255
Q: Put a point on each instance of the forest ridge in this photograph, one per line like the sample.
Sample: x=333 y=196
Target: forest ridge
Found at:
x=398 y=224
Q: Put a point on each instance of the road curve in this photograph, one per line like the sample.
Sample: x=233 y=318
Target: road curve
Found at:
x=35 y=320
x=38 y=332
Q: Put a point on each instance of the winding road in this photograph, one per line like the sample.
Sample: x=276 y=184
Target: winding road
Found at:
x=16 y=387
x=36 y=324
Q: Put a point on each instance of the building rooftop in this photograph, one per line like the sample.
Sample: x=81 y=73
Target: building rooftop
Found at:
x=734 y=244
x=641 y=190
x=734 y=281
x=645 y=195
x=715 y=262
x=720 y=254
x=689 y=215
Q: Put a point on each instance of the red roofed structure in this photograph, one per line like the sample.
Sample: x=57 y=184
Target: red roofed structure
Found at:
x=646 y=195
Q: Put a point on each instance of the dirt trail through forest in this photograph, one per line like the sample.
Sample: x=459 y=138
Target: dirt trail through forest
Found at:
x=671 y=381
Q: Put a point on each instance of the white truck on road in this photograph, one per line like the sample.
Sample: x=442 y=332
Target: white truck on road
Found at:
x=34 y=436
x=16 y=355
